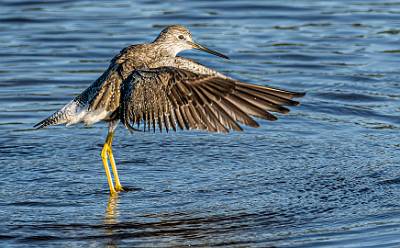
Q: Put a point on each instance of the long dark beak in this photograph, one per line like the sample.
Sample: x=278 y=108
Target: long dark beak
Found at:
x=205 y=49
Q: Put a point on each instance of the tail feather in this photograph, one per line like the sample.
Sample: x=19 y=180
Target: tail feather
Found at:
x=56 y=118
x=59 y=117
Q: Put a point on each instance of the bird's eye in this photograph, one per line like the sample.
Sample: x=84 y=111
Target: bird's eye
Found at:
x=181 y=37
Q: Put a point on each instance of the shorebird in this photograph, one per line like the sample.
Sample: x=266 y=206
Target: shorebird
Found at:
x=149 y=85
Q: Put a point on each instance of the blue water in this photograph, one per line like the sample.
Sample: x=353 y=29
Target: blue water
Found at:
x=326 y=175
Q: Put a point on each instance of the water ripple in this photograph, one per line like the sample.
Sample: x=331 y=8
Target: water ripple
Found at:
x=326 y=174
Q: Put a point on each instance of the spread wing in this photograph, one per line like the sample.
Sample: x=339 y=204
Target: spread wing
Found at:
x=169 y=97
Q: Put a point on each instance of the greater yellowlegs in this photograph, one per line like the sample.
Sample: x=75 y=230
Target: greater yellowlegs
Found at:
x=149 y=84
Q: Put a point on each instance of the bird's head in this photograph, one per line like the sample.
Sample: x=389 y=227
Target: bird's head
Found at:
x=177 y=38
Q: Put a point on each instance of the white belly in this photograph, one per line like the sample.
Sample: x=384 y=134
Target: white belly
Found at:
x=95 y=116
x=81 y=114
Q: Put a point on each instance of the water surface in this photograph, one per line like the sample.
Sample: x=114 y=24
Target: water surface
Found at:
x=326 y=175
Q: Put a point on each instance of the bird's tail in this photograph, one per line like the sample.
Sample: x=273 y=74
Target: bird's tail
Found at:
x=55 y=119
x=59 y=117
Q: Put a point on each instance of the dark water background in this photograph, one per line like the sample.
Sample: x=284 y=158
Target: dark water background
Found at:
x=327 y=175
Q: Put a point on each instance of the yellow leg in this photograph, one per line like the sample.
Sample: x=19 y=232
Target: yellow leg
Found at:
x=107 y=169
x=118 y=186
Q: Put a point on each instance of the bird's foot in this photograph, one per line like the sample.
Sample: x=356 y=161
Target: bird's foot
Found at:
x=119 y=188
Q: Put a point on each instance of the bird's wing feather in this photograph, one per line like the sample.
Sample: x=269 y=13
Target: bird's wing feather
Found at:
x=169 y=97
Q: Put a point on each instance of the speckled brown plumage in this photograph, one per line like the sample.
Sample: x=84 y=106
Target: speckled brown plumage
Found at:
x=148 y=84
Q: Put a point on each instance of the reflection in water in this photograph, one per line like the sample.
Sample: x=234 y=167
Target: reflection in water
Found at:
x=111 y=213
x=110 y=219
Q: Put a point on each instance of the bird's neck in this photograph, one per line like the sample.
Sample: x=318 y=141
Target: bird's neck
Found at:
x=167 y=49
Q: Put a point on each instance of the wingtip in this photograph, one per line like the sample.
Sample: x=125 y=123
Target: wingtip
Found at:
x=284 y=110
x=299 y=94
x=253 y=124
x=273 y=118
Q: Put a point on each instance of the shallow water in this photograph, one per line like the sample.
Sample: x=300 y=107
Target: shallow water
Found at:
x=326 y=175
